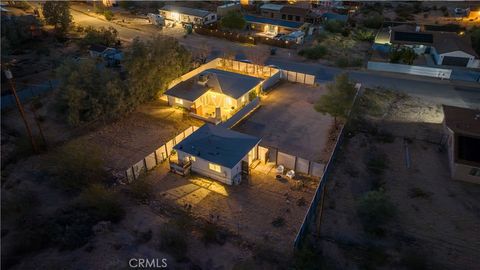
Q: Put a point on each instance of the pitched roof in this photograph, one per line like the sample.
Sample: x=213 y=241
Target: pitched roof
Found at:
x=229 y=83
x=462 y=120
x=262 y=20
x=186 y=10
x=218 y=145
x=334 y=16
x=293 y=10
x=271 y=7
x=449 y=42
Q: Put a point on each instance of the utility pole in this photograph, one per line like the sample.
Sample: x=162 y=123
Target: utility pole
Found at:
x=9 y=76
x=33 y=109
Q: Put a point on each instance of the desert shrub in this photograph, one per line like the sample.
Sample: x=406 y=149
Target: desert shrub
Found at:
x=374 y=21
x=377 y=164
x=108 y=15
x=341 y=62
x=374 y=256
x=173 y=241
x=72 y=228
x=314 y=53
x=102 y=204
x=334 y=26
x=144 y=237
x=364 y=35
x=417 y=192
x=375 y=210
x=278 y=222
x=141 y=189
x=75 y=166
x=404 y=11
x=346 y=62
x=233 y=20
x=101 y=36
x=252 y=95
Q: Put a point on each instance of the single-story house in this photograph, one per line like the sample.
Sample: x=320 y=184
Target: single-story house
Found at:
x=214 y=94
x=446 y=48
x=288 y=13
x=462 y=127
x=219 y=153
x=110 y=55
x=187 y=15
x=272 y=26
x=329 y=16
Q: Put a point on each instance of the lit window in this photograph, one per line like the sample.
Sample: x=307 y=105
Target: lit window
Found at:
x=229 y=101
x=179 y=100
x=192 y=158
x=243 y=99
x=214 y=167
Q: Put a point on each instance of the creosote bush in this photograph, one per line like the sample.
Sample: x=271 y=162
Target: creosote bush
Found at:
x=174 y=241
x=375 y=210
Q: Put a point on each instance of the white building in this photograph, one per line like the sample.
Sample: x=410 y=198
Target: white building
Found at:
x=219 y=153
x=187 y=15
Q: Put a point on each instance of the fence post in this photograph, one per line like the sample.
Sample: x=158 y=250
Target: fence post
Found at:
x=145 y=165
x=296 y=76
x=166 y=151
x=309 y=167
x=276 y=156
x=295 y=164
x=156 y=158
x=133 y=173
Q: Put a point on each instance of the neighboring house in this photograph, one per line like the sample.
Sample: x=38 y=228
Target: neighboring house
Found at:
x=214 y=95
x=462 y=127
x=330 y=16
x=218 y=153
x=187 y=15
x=272 y=27
x=288 y=13
x=224 y=9
x=446 y=48
x=111 y=56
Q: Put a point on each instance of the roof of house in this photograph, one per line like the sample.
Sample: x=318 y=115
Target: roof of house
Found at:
x=334 y=16
x=294 y=10
x=449 y=42
x=282 y=23
x=462 y=120
x=97 y=48
x=217 y=144
x=271 y=7
x=186 y=10
x=405 y=37
x=229 y=83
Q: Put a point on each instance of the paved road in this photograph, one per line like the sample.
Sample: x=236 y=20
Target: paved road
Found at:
x=445 y=92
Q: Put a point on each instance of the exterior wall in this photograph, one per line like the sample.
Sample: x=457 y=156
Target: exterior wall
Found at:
x=186 y=104
x=435 y=55
x=471 y=58
x=184 y=18
x=201 y=166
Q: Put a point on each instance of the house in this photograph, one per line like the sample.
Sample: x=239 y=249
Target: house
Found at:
x=111 y=56
x=446 y=48
x=287 y=13
x=226 y=8
x=462 y=127
x=219 y=153
x=214 y=95
x=184 y=15
x=330 y=16
x=272 y=27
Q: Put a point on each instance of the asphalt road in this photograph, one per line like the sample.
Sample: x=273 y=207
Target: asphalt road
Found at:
x=444 y=92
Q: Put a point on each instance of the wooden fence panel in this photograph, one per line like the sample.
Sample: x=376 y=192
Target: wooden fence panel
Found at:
x=150 y=161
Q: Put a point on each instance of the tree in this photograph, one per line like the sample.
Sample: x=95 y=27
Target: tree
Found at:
x=373 y=20
x=233 y=20
x=57 y=13
x=89 y=91
x=151 y=66
x=103 y=36
x=406 y=55
x=338 y=100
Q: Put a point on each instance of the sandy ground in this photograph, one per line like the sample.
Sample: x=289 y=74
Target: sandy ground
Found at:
x=441 y=226
x=287 y=120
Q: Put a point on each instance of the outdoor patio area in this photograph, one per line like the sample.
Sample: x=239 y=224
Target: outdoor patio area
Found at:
x=262 y=208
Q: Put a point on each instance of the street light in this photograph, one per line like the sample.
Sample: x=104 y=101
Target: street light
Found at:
x=9 y=76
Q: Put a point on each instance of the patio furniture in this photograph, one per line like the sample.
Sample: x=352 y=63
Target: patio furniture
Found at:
x=290 y=174
x=280 y=169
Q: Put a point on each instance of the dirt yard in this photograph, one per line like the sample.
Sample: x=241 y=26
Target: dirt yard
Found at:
x=435 y=223
x=287 y=120
x=260 y=210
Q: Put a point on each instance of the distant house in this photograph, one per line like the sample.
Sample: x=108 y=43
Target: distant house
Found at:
x=288 y=13
x=446 y=48
x=219 y=153
x=462 y=127
x=111 y=56
x=272 y=26
x=329 y=16
x=180 y=14
x=213 y=95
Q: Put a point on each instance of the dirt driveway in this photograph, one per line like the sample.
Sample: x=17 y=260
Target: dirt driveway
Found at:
x=247 y=209
x=288 y=121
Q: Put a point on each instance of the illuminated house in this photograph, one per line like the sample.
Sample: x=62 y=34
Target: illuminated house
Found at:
x=187 y=15
x=462 y=127
x=214 y=95
x=219 y=153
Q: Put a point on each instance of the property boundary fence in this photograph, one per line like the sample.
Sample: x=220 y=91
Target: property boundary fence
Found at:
x=293 y=76
x=298 y=164
x=408 y=69
x=158 y=156
x=319 y=197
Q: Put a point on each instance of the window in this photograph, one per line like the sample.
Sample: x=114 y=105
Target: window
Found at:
x=475 y=172
x=297 y=18
x=284 y=16
x=290 y=17
x=192 y=158
x=179 y=100
x=214 y=167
